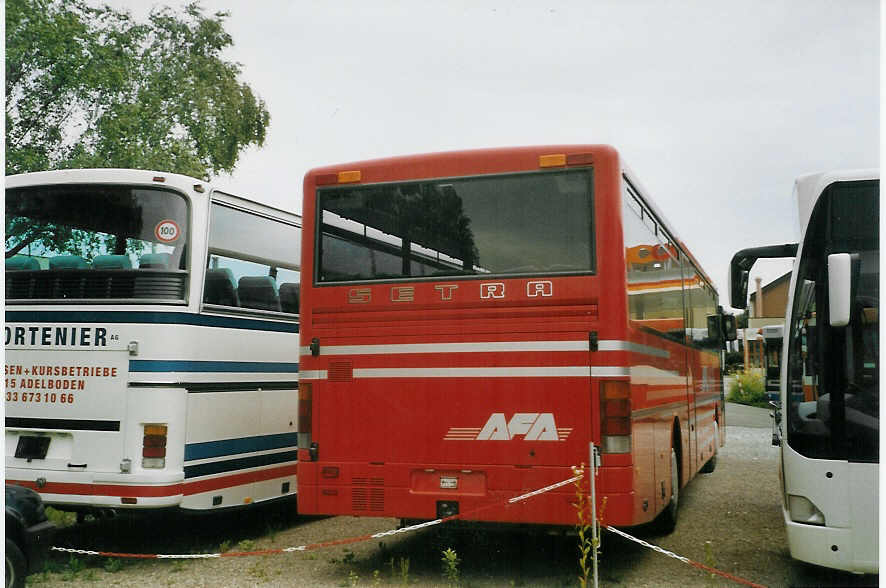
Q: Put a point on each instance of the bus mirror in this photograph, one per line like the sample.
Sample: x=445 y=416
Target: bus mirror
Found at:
x=839 y=288
x=738 y=288
x=715 y=327
x=729 y=330
x=740 y=269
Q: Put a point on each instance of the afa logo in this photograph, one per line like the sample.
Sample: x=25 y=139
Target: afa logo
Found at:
x=530 y=426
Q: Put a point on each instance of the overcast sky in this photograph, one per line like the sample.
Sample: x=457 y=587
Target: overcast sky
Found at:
x=716 y=105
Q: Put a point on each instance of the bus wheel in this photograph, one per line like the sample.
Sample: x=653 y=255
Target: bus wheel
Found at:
x=711 y=464
x=667 y=520
x=16 y=566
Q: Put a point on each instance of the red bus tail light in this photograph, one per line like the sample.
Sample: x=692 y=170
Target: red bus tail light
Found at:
x=154 y=447
x=305 y=411
x=615 y=417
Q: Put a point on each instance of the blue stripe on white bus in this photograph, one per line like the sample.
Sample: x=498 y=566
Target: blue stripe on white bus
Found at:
x=218 y=467
x=209 y=449
x=263 y=367
x=148 y=317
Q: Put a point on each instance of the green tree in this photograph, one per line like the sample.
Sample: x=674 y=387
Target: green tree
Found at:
x=88 y=86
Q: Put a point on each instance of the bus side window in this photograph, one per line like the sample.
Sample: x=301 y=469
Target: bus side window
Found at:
x=654 y=273
x=253 y=261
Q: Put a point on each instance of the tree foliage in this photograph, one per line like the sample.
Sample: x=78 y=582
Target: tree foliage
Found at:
x=88 y=86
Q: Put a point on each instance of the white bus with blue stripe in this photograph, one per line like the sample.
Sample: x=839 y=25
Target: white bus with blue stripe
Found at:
x=151 y=341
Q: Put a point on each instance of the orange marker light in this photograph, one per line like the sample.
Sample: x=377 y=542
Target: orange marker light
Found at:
x=553 y=160
x=349 y=177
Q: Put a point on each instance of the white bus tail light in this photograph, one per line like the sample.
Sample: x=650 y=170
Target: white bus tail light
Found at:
x=803 y=511
x=154 y=447
x=615 y=417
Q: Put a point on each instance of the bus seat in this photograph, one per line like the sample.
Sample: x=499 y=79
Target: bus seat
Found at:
x=220 y=287
x=112 y=262
x=259 y=292
x=289 y=297
x=154 y=261
x=68 y=262
x=21 y=262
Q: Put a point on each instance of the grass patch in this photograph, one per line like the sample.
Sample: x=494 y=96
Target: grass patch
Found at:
x=61 y=518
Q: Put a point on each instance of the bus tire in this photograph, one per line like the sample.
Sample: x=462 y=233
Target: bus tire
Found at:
x=711 y=464
x=16 y=565
x=667 y=520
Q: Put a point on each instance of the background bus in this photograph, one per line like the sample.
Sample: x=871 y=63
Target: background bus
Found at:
x=830 y=421
x=473 y=320
x=151 y=330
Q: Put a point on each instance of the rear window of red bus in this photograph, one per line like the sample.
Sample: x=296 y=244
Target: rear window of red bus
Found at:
x=516 y=224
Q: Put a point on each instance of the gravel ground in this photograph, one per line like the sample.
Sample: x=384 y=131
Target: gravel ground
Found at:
x=730 y=518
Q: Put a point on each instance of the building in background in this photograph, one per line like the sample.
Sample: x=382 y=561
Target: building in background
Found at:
x=769 y=302
x=766 y=309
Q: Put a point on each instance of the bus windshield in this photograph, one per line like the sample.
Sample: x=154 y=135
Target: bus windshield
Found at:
x=833 y=373
x=95 y=242
x=527 y=223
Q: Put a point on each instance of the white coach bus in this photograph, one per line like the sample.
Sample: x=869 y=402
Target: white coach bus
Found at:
x=829 y=418
x=151 y=342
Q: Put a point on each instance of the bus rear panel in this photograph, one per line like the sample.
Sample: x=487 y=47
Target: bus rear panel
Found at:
x=467 y=335
x=130 y=382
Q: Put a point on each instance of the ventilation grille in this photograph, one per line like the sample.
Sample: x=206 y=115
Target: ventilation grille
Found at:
x=341 y=371
x=93 y=284
x=368 y=495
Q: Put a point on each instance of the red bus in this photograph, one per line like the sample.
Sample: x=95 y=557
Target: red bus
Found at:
x=471 y=321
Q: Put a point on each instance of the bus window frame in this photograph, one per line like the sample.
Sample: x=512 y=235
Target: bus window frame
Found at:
x=240 y=256
x=588 y=171
x=633 y=199
x=187 y=256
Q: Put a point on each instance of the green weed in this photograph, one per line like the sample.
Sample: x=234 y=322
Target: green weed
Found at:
x=450 y=566
x=61 y=518
x=710 y=562
x=404 y=570
x=258 y=572
x=589 y=538
x=583 y=512
x=75 y=566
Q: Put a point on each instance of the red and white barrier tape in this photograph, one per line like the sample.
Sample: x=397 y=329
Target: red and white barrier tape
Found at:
x=685 y=560
x=361 y=538
x=325 y=544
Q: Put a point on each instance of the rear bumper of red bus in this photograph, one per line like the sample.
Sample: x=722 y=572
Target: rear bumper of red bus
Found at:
x=483 y=493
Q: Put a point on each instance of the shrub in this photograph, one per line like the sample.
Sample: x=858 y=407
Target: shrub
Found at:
x=748 y=388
